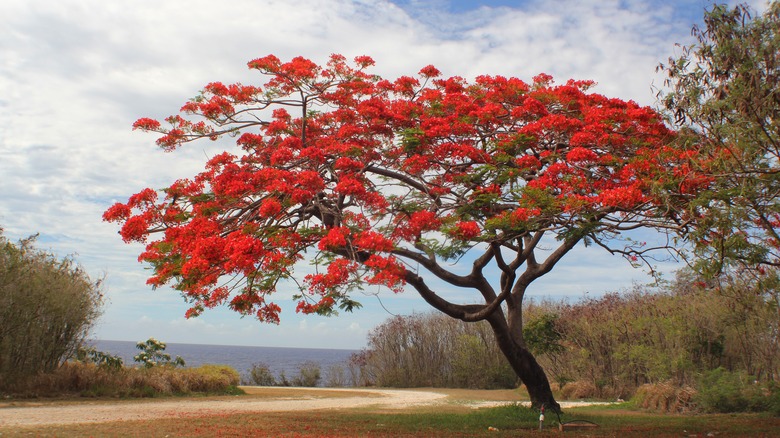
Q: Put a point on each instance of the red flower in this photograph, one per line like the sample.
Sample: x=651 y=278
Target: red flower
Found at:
x=429 y=71
x=117 y=212
x=146 y=124
x=335 y=239
x=270 y=207
x=580 y=154
x=466 y=230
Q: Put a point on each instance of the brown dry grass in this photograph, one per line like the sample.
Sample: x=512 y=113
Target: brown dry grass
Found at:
x=665 y=397
x=579 y=390
x=89 y=380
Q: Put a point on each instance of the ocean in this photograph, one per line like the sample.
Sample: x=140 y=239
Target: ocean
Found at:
x=278 y=359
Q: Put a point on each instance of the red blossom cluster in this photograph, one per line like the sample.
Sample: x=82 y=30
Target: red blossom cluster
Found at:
x=365 y=169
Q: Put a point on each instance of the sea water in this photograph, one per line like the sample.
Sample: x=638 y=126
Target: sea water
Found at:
x=241 y=358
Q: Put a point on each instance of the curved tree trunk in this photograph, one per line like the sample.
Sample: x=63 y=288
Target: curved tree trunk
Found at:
x=525 y=366
x=508 y=333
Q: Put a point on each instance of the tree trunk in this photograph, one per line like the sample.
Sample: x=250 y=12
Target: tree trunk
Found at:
x=525 y=366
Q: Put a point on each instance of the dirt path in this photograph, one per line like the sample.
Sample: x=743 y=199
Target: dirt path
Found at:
x=97 y=412
x=260 y=400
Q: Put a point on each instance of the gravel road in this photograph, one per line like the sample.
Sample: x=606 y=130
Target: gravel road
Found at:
x=96 y=412
x=47 y=414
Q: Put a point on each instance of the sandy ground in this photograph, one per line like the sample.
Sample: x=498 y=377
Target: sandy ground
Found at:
x=96 y=412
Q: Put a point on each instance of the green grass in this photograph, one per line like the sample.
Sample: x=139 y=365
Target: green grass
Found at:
x=442 y=421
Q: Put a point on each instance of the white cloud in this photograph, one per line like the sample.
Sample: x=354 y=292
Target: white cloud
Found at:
x=75 y=74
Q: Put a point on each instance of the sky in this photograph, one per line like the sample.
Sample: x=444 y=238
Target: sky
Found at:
x=75 y=75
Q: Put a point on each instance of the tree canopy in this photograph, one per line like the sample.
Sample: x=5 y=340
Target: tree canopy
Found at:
x=380 y=177
x=723 y=93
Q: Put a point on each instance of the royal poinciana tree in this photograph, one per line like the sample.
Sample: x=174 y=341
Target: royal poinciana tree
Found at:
x=393 y=183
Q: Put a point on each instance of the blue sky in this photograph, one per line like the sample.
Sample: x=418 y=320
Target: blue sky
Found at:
x=74 y=75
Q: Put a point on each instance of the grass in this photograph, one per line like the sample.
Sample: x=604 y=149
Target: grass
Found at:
x=450 y=420
x=92 y=381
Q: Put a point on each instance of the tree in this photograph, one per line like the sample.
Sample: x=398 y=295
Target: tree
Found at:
x=153 y=354
x=388 y=183
x=47 y=307
x=434 y=350
x=724 y=91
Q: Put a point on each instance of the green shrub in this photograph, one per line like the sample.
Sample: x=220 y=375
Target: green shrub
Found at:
x=260 y=374
x=773 y=399
x=542 y=336
x=282 y=380
x=99 y=358
x=309 y=375
x=723 y=391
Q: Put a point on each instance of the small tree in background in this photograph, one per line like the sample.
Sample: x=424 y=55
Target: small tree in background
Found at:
x=153 y=354
x=47 y=308
x=724 y=93
x=100 y=358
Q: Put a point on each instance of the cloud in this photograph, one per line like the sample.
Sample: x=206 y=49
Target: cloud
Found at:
x=75 y=75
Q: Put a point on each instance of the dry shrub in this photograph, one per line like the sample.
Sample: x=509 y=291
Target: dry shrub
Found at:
x=665 y=397
x=212 y=378
x=89 y=380
x=585 y=389
x=170 y=380
x=178 y=381
x=677 y=332
x=158 y=379
x=84 y=379
x=432 y=349
x=578 y=390
x=68 y=378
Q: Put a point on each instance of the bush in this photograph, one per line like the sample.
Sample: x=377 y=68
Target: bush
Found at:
x=212 y=378
x=260 y=374
x=336 y=376
x=773 y=399
x=308 y=375
x=432 y=350
x=473 y=367
x=723 y=391
x=672 y=333
x=665 y=397
x=47 y=307
x=91 y=380
x=578 y=390
x=99 y=358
